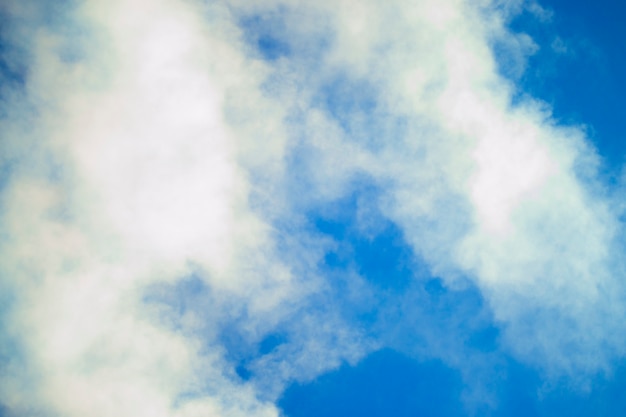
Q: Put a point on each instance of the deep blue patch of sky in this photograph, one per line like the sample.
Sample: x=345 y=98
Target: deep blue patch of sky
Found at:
x=385 y=384
x=527 y=394
x=388 y=383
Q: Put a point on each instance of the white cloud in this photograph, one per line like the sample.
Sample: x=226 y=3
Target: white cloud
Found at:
x=149 y=190
x=481 y=187
x=167 y=151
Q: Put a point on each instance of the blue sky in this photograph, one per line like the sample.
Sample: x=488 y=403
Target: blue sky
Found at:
x=290 y=208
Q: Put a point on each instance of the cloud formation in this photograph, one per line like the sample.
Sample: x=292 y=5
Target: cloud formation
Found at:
x=162 y=161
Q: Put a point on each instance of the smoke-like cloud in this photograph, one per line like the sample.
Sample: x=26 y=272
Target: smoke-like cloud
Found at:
x=161 y=161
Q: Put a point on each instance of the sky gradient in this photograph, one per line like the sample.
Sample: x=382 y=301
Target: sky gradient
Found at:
x=271 y=208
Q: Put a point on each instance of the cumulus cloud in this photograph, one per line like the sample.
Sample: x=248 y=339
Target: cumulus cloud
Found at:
x=131 y=180
x=161 y=158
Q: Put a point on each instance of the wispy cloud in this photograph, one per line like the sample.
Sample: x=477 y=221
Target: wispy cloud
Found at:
x=164 y=163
